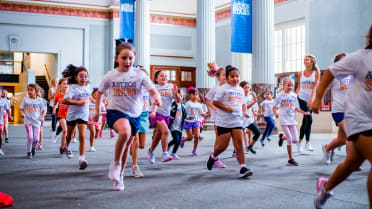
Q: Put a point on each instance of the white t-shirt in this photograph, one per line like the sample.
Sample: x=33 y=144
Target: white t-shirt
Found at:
x=267 y=105
x=339 y=92
x=92 y=109
x=74 y=93
x=193 y=111
x=4 y=106
x=307 y=84
x=232 y=96
x=248 y=121
x=287 y=104
x=210 y=96
x=146 y=100
x=166 y=96
x=125 y=90
x=205 y=110
x=176 y=125
x=358 y=104
x=33 y=109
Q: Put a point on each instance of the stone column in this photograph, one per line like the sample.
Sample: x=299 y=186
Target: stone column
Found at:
x=206 y=35
x=262 y=57
x=243 y=62
x=142 y=34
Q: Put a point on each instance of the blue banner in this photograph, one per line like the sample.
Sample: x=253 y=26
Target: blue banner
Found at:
x=241 y=26
x=127 y=19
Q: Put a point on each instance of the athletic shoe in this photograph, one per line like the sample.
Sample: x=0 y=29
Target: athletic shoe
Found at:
x=69 y=154
x=268 y=139
x=137 y=172
x=292 y=162
x=175 y=156
x=250 y=148
x=194 y=153
x=61 y=150
x=119 y=185
x=112 y=134
x=245 y=172
x=182 y=144
x=83 y=164
x=321 y=195
x=150 y=156
x=262 y=143
x=33 y=152
x=40 y=147
x=210 y=162
x=92 y=149
x=234 y=154
x=1 y=152
x=308 y=147
x=54 y=137
x=73 y=140
x=219 y=164
x=29 y=155
x=114 y=172
x=166 y=157
x=299 y=148
x=326 y=155
x=332 y=154
x=280 y=143
x=6 y=140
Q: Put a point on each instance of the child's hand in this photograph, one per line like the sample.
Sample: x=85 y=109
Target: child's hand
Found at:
x=277 y=115
x=54 y=112
x=246 y=115
x=306 y=113
x=41 y=119
x=10 y=117
x=96 y=117
x=152 y=114
x=229 y=109
x=22 y=115
x=175 y=89
x=83 y=100
x=157 y=102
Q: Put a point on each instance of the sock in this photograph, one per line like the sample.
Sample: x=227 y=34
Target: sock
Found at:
x=117 y=163
x=82 y=157
x=165 y=153
x=243 y=165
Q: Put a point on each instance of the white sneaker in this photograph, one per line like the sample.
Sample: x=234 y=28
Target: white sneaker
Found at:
x=299 y=148
x=175 y=156
x=166 y=157
x=92 y=149
x=74 y=140
x=1 y=152
x=119 y=186
x=137 y=172
x=69 y=154
x=326 y=155
x=114 y=172
x=54 y=137
x=308 y=147
x=83 y=164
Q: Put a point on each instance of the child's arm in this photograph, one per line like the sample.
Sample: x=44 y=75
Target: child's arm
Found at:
x=80 y=102
x=98 y=106
x=244 y=106
x=260 y=110
x=9 y=114
x=223 y=107
x=275 y=110
x=252 y=103
x=54 y=108
x=300 y=111
x=155 y=95
x=327 y=79
x=209 y=104
x=177 y=96
x=42 y=115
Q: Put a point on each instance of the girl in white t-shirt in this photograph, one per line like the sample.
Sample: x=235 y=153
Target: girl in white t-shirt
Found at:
x=160 y=115
x=357 y=120
x=94 y=126
x=77 y=97
x=287 y=104
x=4 y=109
x=33 y=110
x=229 y=100
x=124 y=85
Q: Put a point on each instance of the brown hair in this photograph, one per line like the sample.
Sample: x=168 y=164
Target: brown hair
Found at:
x=36 y=87
x=339 y=56
x=313 y=60
x=122 y=46
x=61 y=80
x=369 y=38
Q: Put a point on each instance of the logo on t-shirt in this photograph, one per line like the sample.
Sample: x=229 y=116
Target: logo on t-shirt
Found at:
x=344 y=84
x=307 y=84
x=369 y=81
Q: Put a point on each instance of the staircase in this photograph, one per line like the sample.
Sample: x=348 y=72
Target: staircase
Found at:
x=43 y=83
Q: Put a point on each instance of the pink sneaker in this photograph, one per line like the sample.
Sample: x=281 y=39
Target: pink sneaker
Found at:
x=219 y=164
x=195 y=153
x=112 y=134
x=114 y=172
x=166 y=158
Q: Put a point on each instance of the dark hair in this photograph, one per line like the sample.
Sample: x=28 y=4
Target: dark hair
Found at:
x=121 y=46
x=94 y=90
x=156 y=76
x=192 y=91
x=201 y=98
x=36 y=87
x=229 y=69
x=243 y=83
x=269 y=91
x=71 y=72
x=338 y=57
x=369 y=38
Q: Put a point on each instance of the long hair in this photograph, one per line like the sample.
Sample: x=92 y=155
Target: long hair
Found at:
x=243 y=83
x=121 y=46
x=314 y=67
x=71 y=72
x=369 y=38
x=36 y=87
x=156 y=76
x=339 y=56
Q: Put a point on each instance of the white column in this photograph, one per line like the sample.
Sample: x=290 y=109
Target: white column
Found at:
x=243 y=62
x=263 y=30
x=206 y=35
x=142 y=33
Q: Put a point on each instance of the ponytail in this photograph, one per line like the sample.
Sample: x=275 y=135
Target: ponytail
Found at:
x=71 y=72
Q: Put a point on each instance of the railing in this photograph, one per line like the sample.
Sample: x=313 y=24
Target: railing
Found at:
x=49 y=80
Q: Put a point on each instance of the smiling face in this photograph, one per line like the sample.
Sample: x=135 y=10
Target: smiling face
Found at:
x=64 y=86
x=233 y=78
x=162 y=78
x=125 y=59
x=82 y=78
x=222 y=77
x=268 y=96
x=246 y=89
x=307 y=62
x=288 y=85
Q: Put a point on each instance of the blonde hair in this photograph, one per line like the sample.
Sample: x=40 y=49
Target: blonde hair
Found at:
x=314 y=67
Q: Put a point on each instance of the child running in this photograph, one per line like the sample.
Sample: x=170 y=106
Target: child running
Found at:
x=94 y=126
x=159 y=116
x=176 y=124
x=124 y=85
x=287 y=104
x=4 y=107
x=229 y=101
x=194 y=111
x=61 y=114
x=201 y=100
x=269 y=115
x=77 y=97
x=5 y=115
x=33 y=110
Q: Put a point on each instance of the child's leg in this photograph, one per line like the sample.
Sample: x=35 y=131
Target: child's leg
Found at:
x=41 y=135
x=102 y=126
x=71 y=132
x=221 y=143
x=267 y=129
x=92 y=134
x=6 y=122
x=29 y=137
x=287 y=133
x=188 y=135
x=253 y=127
x=272 y=127
x=1 y=135
x=135 y=143
x=237 y=135
x=249 y=133
x=36 y=134
x=196 y=132
x=156 y=137
x=164 y=135
x=82 y=130
x=126 y=148
x=123 y=129
x=339 y=140
x=177 y=140
x=97 y=126
x=63 y=127
x=245 y=138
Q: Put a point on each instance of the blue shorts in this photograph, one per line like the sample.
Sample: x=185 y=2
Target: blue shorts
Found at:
x=338 y=117
x=114 y=115
x=191 y=125
x=144 y=122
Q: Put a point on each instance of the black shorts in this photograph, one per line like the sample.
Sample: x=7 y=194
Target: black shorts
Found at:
x=114 y=115
x=355 y=137
x=77 y=121
x=223 y=130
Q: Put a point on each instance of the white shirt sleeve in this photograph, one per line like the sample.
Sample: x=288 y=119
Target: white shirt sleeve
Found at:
x=104 y=84
x=69 y=93
x=22 y=106
x=220 y=93
x=347 y=66
x=277 y=100
x=147 y=83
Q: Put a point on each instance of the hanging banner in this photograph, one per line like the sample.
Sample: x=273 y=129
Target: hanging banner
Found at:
x=127 y=19
x=241 y=26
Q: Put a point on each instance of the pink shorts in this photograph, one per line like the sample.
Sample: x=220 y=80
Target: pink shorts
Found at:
x=5 y=116
x=104 y=116
x=97 y=125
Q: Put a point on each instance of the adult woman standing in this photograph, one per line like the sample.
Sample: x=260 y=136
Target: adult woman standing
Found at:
x=308 y=82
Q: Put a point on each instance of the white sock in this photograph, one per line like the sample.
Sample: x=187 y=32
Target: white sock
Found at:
x=82 y=157
x=165 y=153
x=117 y=163
x=243 y=165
